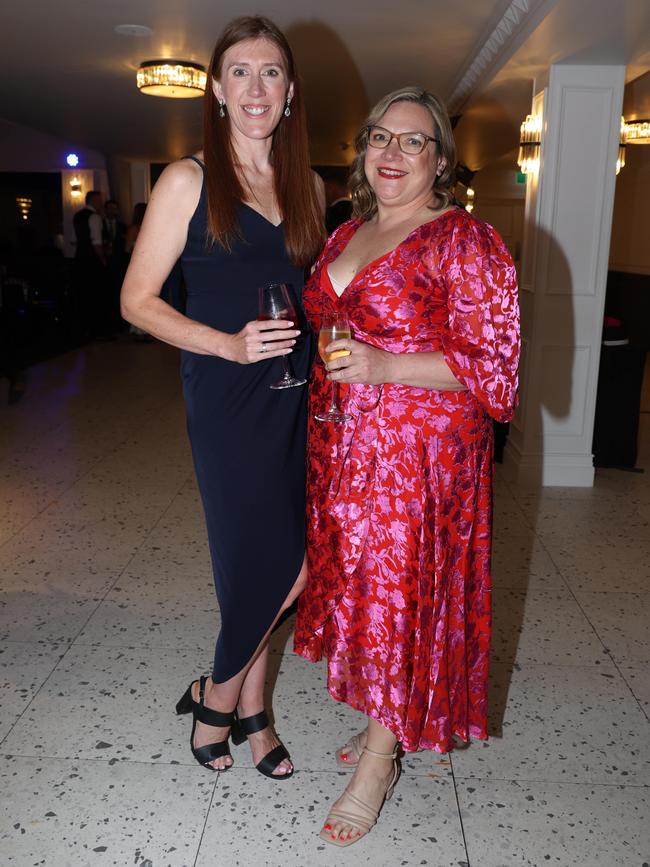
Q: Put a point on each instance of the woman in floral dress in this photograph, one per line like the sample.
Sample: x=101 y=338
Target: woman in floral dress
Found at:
x=400 y=496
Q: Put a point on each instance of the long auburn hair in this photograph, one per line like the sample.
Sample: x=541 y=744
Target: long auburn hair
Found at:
x=294 y=183
x=364 y=202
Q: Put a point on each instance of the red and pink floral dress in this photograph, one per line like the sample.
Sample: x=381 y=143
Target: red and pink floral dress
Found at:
x=400 y=497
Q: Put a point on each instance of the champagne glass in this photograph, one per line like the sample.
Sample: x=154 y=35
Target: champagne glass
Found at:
x=333 y=327
x=276 y=303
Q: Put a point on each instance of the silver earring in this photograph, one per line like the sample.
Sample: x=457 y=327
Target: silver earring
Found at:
x=222 y=113
x=287 y=111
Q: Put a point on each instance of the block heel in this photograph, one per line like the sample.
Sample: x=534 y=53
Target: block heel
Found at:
x=200 y=713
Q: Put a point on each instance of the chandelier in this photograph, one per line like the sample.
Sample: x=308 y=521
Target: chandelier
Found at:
x=178 y=79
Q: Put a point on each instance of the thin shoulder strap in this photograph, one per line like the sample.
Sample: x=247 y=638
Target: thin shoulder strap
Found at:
x=196 y=160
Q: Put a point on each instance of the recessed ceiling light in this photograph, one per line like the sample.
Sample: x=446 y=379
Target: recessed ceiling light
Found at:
x=133 y=30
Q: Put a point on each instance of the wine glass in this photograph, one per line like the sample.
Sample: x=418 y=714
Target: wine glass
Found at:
x=333 y=327
x=276 y=303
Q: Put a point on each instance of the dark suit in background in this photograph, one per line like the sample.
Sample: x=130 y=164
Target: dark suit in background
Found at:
x=90 y=273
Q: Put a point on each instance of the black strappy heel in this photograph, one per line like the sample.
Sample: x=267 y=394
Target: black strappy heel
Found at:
x=200 y=713
x=243 y=727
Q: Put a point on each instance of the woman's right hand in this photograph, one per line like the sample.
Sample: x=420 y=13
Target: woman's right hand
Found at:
x=259 y=340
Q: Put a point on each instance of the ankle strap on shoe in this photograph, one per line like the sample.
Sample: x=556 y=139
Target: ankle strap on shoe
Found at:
x=208 y=715
x=213 y=717
x=377 y=755
x=256 y=723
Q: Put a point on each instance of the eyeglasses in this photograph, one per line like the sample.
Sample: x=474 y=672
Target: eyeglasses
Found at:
x=409 y=142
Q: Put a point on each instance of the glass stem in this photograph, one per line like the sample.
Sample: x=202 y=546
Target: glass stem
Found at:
x=335 y=398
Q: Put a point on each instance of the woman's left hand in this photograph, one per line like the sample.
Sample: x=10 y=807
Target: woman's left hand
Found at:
x=364 y=364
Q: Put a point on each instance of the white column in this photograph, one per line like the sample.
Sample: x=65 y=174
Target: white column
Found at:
x=563 y=275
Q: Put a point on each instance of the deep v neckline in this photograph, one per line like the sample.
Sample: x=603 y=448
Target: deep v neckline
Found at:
x=260 y=214
x=383 y=256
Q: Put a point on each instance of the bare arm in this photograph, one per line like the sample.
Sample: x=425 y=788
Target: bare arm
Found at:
x=160 y=242
x=375 y=366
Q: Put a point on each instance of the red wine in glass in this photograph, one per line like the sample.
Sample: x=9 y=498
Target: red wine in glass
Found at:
x=275 y=303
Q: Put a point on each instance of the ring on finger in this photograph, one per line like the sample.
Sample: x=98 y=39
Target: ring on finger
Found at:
x=263 y=347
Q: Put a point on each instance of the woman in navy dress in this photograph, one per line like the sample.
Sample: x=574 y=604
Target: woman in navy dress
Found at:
x=246 y=212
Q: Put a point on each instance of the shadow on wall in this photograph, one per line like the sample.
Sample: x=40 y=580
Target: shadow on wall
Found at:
x=335 y=95
x=546 y=399
x=546 y=378
x=558 y=357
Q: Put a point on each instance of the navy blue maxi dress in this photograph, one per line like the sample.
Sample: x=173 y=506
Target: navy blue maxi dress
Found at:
x=248 y=441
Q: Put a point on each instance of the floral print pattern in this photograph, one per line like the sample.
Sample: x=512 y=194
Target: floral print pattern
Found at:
x=400 y=497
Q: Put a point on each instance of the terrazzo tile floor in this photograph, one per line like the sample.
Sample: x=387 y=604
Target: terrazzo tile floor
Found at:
x=107 y=611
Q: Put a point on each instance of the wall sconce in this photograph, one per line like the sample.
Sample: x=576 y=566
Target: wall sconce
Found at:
x=530 y=139
x=622 y=143
x=75 y=188
x=634 y=132
x=637 y=131
x=469 y=207
x=24 y=206
x=178 y=79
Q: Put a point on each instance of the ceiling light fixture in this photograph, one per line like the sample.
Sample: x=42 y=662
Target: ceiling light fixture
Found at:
x=530 y=139
x=178 y=79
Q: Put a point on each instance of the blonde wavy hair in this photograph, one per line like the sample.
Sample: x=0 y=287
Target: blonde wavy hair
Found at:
x=364 y=202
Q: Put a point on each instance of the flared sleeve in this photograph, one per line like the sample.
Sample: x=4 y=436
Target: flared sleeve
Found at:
x=481 y=341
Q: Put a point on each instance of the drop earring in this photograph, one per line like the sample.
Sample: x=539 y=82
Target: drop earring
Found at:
x=287 y=111
x=222 y=113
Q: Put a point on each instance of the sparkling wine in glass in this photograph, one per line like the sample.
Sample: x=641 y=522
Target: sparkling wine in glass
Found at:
x=276 y=303
x=333 y=327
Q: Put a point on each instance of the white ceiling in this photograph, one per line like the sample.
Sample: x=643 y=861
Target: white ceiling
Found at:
x=65 y=71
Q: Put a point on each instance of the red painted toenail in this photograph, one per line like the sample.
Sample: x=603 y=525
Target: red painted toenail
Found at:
x=328 y=827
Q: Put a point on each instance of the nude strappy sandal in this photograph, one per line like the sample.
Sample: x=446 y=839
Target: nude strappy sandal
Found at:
x=361 y=815
x=352 y=750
